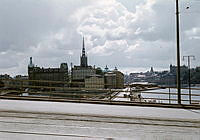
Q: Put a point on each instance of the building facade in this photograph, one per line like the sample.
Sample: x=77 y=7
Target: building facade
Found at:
x=80 y=73
x=48 y=74
x=114 y=79
x=94 y=81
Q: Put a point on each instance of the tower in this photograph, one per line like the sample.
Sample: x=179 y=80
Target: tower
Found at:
x=151 y=71
x=31 y=65
x=106 y=69
x=83 y=59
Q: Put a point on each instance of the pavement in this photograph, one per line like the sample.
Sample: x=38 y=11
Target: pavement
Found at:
x=21 y=119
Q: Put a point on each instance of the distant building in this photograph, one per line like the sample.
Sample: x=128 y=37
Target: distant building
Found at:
x=4 y=80
x=4 y=76
x=151 y=71
x=94 y=81
x=114 y=79
x=49 y=74
x=173 y=69
x=197 y=68
x=79 y=73
x=1 y=84
x=83 y=75
x=19 y=81
x=110 y=80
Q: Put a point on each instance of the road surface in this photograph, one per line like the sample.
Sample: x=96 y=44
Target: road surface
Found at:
x=22 y=120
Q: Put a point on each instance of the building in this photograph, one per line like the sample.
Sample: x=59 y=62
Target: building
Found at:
x=94 y=81
x=173 y=69
x=4 y=76
x=18 y=82
x=83 y=75
x=48 y=74
x=79 y=73
x=5 y=81
x=110 y=80
x=1 y=84
x=151 y=71
x=114 y=79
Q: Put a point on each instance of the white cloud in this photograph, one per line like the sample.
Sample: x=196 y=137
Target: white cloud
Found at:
x=127 y=34
x=193 y=33
x=109 y=48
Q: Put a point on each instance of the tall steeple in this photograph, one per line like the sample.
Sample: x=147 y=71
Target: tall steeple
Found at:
x=83 y=49
x=83 y=56
x=31 y=65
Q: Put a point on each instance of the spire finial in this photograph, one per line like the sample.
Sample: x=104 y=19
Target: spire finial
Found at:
x=31 y=63
x=83 y=49
x=31 y=60
x=83 y=42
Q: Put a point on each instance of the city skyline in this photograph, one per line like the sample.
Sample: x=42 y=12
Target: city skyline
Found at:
x=133 y=36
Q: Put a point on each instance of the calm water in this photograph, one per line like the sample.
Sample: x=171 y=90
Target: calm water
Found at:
x=172 y=90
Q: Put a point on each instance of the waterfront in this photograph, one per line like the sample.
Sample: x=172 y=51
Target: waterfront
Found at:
x=172 y=90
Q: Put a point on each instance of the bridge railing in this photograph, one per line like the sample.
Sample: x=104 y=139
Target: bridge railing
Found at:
x=167 y=95
x=61 y=89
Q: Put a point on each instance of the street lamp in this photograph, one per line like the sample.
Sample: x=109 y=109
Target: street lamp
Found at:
x=178 y=53
x=189 y=85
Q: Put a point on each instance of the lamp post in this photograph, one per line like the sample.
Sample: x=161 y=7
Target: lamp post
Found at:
x=178 y=53
x=189 y=85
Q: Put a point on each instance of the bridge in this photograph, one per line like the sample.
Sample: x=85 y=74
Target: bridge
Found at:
x=135 y=94
x=55 y=112
x=64 y=120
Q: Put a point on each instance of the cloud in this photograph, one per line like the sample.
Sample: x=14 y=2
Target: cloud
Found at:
x=127 y=34
x=124 y=33
x=109 y=48
x=41 y=29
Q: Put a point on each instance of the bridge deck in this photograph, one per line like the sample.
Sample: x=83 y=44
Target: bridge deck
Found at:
x=54 y=120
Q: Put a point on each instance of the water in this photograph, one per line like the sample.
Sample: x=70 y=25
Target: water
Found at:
x=173 y=90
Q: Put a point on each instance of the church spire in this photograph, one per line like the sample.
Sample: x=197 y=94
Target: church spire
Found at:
x=31 y=63
x=83 y=49
x=83 y=56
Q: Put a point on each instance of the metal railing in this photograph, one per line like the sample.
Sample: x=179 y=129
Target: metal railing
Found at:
x=61 y=90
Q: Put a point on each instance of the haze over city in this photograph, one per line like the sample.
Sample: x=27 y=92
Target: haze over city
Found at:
x=131 y=35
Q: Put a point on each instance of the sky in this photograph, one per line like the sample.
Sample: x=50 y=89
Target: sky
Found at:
x=132 y=35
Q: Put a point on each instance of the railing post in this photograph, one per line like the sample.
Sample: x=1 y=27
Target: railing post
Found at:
x=169 y=96
x=50 y=86
x=110 y=95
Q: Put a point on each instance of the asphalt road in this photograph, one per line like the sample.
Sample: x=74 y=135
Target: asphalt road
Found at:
x=22 y=120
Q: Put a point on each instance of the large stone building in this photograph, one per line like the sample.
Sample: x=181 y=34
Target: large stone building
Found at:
x=79 y=73
x=49 y=74
x=94 y=81
x=114 y=79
